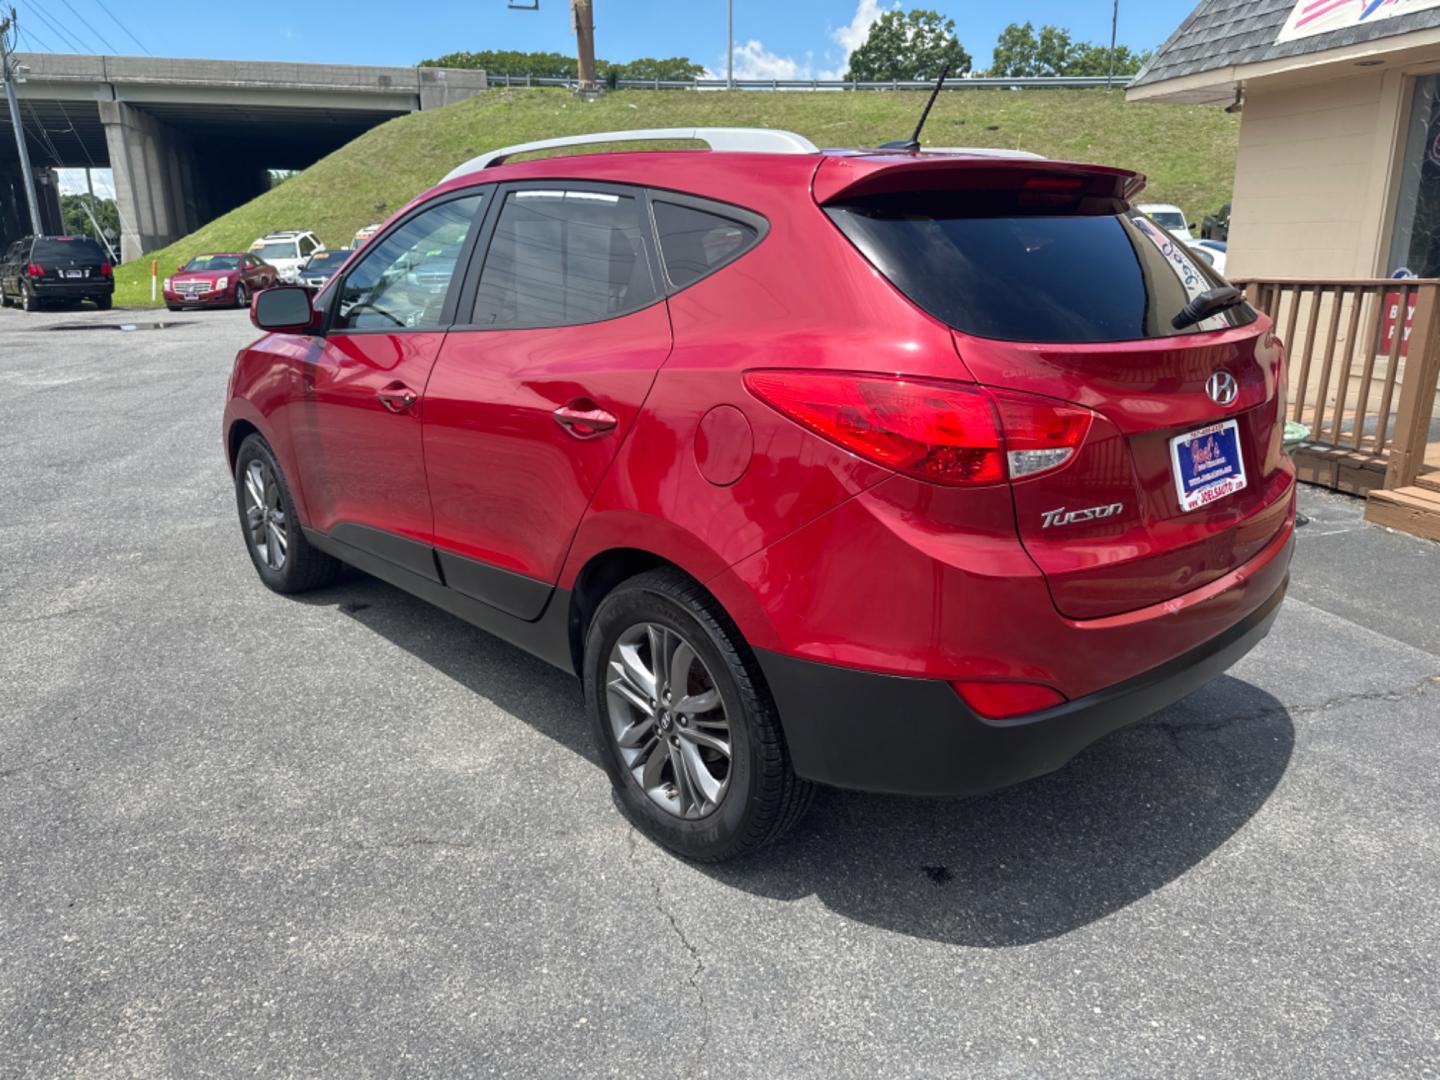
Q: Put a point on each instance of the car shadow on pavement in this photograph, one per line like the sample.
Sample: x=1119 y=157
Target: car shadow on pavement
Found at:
x=1130 y=814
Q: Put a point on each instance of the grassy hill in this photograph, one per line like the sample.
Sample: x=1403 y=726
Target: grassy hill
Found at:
x=1188 y=152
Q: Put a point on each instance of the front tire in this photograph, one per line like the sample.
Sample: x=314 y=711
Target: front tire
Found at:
x=284 y=559
x=242 y=296
x=684 y=722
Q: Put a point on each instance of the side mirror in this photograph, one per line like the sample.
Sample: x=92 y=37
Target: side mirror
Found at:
x=284 y=309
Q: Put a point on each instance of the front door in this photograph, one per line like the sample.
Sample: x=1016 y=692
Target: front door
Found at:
x=530 y=401
x=358 y=428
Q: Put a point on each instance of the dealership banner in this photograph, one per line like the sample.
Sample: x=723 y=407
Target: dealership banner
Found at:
x=1311 y=17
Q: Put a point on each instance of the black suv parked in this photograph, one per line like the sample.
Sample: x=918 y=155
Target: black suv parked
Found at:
x=40 y=269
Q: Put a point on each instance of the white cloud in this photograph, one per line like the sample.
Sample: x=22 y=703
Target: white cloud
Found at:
x=754 y=61
x=72 y=182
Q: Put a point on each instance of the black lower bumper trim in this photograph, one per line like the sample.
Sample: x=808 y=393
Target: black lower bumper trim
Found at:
x=933 y=744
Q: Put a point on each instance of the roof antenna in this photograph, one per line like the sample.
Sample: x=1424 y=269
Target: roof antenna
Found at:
x=912 y=144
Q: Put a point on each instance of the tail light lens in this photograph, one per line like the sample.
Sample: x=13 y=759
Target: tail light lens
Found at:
x=106 y=270
x=946 y=433
x=998 y=700
x=34 y=270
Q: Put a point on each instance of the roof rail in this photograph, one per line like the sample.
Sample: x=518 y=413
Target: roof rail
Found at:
x=729 y=140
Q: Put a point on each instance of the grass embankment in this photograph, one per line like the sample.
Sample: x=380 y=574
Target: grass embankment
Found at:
x=1187 y=151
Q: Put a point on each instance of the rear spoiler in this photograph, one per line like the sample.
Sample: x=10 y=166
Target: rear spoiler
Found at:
x=843 y=178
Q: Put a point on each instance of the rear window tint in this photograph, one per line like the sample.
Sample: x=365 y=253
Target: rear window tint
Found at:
x=80 y=249
x=694 y=242
x=1017 y=276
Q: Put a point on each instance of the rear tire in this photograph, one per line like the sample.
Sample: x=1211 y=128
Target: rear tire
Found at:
x=104 y=303
x=28 y=299
x=712 y=781
x=284 y=559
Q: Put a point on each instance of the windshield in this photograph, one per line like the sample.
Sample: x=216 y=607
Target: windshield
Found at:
x=279 y=249
x=58 y=249
x=1035 y=277
x=326 y=262
x=213 y=262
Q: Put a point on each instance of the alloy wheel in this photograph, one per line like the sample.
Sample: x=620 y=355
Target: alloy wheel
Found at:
x=669 y=721
x=265 y=519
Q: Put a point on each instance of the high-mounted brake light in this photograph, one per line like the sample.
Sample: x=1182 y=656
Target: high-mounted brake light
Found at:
x=946 y=433
x=34 y=270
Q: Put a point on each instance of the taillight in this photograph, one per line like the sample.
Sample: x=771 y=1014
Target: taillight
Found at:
x=947 y=433
x=998 y=700
x=34 y=270
x=106 y=270
x=936 y=431
x=1040 y=434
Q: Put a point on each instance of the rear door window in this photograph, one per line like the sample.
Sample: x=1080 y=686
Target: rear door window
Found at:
x=79 y=249
x=693 y=242
x=562 y=257
x=995 y=271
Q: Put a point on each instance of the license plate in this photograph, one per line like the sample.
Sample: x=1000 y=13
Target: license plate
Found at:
x=74 y=273
x=1208 y=464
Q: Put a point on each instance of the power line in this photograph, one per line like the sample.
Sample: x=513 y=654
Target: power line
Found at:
x=88 y=26
x=64 y=35
x=101 y=5
x=41 y=45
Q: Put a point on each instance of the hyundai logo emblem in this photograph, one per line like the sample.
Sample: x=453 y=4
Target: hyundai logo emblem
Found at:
x=1222 y=388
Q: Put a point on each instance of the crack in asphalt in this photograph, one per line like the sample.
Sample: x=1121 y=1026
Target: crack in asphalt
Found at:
x=1175 y=728
x=699 y=969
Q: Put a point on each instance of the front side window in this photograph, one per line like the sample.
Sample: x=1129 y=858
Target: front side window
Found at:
x=402 y=281
x=694 y=242
x=562 y=257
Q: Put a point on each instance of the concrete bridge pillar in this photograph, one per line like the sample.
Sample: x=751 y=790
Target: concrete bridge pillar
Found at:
x=155 y=179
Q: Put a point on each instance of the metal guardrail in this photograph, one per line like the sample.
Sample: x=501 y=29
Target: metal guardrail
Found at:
x=978 y=83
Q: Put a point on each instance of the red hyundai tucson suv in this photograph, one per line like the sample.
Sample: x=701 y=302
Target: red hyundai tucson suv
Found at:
x=900 y=471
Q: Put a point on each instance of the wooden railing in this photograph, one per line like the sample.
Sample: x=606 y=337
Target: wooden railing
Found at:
x=1364 y=359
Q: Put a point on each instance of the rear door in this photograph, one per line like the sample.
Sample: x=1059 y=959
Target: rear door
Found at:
x=357 y=430
x=530 y=400
x=1072 y=297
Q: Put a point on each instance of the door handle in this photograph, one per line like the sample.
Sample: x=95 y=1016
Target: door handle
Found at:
x=397 y=397
x=583 y=422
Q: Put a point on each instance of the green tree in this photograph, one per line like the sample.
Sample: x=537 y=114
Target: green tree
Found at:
x=77 y=222
x=911 y=45
x=551 y=65
x=1021 y=52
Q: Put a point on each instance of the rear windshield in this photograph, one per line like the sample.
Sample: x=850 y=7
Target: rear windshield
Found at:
x=79 y=248
x=999 y=272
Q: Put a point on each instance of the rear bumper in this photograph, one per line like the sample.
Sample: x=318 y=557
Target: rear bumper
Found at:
x=73 y=290
x=892 y=733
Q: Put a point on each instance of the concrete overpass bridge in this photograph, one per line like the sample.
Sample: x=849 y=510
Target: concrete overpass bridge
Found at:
x=188 y=140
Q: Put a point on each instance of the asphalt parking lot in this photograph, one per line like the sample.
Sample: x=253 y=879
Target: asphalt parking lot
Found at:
x=350 y=836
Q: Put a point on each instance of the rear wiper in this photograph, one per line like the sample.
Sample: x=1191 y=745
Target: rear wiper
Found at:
x=1210 y=302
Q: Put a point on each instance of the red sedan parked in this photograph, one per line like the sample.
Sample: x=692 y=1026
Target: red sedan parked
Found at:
x=222 y=279
x=901 y=471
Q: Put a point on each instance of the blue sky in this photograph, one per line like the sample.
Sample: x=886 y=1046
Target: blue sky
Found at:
x=773 y=38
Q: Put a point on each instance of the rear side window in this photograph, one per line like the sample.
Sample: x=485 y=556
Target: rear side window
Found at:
x=694 y=242
x=80 y=249
x=560 y=257
x=990 y=269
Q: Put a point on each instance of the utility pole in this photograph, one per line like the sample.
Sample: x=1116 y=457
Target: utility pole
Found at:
x=729 y=44
x=583 y=12
x=7 y=75
x=1114 y=25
